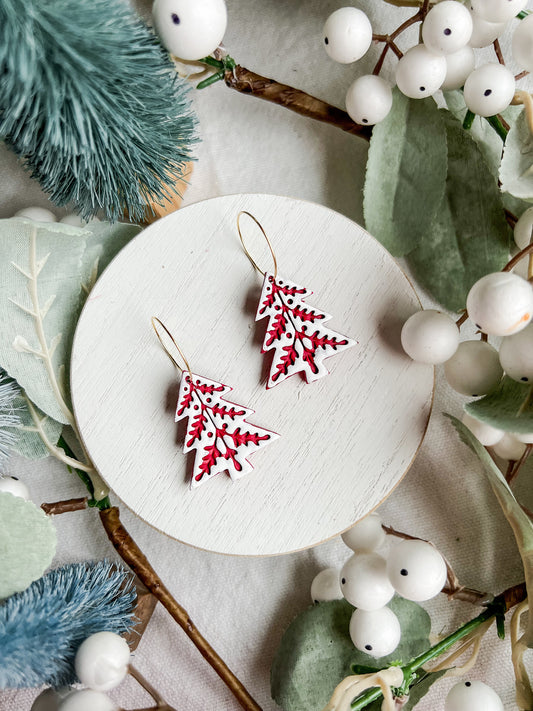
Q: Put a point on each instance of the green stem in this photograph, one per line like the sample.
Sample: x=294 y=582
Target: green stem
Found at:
x=104 y=503
x=498 y=126
x=212 y=79
x=212 y=62
x=522 y=15
x=468 y=120
x=408 y=670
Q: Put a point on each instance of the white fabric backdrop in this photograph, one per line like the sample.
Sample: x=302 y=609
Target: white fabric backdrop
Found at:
x=242 y=605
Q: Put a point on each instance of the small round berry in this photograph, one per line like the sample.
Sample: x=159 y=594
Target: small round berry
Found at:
x=420 y=73
x=364 y=581
x=347 y=35
x=12 y=485
x=523 y=230
x=509 y=448
x=366 y=535
x=484 y=33
x=376 y=633
x=37 y=214
x=430 y=337
x=516 y=355
x=102 y=661
x=447 y=27
x=500 y=304
x=474 y=369
x=472 y=696
x=76 y=221
x=369 y=100
x=190 y=30
x=416 y=569
x=487 y=435
x=489 y=89
x=326 y=586
x=459 y=66
x=523 y=44
x=50 y=699
x=87 y=700
x=498 y=10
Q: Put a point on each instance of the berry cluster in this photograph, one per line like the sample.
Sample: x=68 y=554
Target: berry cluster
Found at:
x=445 y=58
x=498 y=304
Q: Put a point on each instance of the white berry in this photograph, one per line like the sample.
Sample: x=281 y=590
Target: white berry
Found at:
x=516 y=355
x=364 y=581
x=474 y=369
x=14 y=486
x=447 y=27
x=76 y=221
x=88 y=700
x=347 y=35
x=50 y=699
x=487 y=435
x=458 y=67
x=190 y=30
x=430 y=337
x=376 y=633
x=420 y=73
x=37 y=214
x=509 y=448
x=369 y=100
x=489 y=89
x=416 y=569
x=500 y=304
x=102 y=661
x=483 y=32
x=366 y=535
x=523 y=44
x=326 y=586
x=523 y=230
x=472 y=696
x=498 y=10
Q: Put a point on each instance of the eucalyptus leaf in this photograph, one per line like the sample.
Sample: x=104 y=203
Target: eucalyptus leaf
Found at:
x=29 y=442
x=469 y=236
x=516 y=172
x=405 y=174
x=421 y=688
x=103 y=242
x=508 y=408
x=316 y=652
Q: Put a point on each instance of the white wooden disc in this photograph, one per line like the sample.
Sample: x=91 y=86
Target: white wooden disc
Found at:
x=346 y=439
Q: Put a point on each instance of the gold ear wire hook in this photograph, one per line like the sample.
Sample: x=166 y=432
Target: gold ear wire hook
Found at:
x=252 y=260
x=156 y=321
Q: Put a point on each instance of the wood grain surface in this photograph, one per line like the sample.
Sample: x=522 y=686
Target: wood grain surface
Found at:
x=346 y=439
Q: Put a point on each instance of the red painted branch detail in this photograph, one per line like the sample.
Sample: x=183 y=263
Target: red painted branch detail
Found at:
x=217 y=429
x=295 y=332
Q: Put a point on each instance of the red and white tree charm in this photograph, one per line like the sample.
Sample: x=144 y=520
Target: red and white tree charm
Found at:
x=295 y=332
x=217 y=429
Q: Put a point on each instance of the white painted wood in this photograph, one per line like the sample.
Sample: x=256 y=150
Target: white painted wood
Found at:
x=346 y=439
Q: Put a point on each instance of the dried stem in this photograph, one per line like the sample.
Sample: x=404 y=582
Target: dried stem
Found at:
x=462 y=319
x=498 y=51
x=511 y=219
x=137 y=561
x=247 y=82
x=67 y=506
x=514 y=467
x=514 y=261
x=161 y=704
x=521 y=75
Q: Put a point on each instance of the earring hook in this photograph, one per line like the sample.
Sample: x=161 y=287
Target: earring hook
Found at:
x=252 y=260
x=157 y=322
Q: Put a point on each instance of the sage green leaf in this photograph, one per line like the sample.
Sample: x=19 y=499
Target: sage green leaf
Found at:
x=32 y=420
x=405 y=174
x=316 y=652
x=508 y=408
x=421 y=688
x=103 y=242
x=469 y=235
x=516 y=172
x=40 y=280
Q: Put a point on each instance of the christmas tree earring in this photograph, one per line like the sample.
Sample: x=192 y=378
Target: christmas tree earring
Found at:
x=295 y=330
x=217 y=429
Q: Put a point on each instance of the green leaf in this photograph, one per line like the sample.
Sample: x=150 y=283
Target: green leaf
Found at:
x=405 y=174
x=316 y=652
x=29 y=443
x=516 y=172
x=469 y=236
x=507 y=408
x=421 y=687
x=104 y=241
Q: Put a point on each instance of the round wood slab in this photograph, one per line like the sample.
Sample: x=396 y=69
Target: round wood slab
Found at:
x=346 y=439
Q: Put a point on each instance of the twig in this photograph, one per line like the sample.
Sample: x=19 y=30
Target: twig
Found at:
x=511 y=219
x=498 y=51
x=67 y=506
x=130 y=552
x=511 y=264
x=512 y=473
x=161 y=704
x=521 y=75
x=247 y=82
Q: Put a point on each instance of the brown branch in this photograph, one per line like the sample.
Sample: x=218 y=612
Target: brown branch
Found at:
x=498 y=50
x=521 y=75
x=514 y=261
x=511 y=219
x=247 y=82
x=137 y=561
x=67 y=506
x=161 y=704
x=462 y=319
x=514 y=467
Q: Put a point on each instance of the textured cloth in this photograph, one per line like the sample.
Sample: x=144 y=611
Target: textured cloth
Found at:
x=242 y=605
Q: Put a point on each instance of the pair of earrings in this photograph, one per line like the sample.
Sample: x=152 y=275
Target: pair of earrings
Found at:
x=217 y=428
